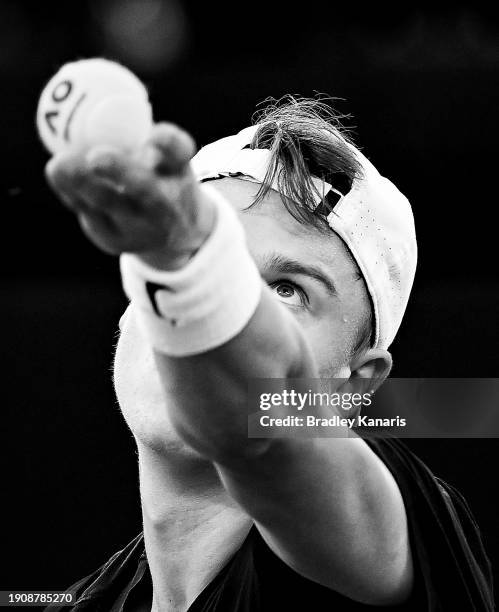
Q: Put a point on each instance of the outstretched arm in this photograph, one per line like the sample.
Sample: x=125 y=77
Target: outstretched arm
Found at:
x=328 y=507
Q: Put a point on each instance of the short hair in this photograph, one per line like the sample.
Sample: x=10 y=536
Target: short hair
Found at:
x=307 y=139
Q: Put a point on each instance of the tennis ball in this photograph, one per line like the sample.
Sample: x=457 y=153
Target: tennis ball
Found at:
x=93 y=102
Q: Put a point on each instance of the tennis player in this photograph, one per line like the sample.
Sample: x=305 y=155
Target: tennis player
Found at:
x=279 y=252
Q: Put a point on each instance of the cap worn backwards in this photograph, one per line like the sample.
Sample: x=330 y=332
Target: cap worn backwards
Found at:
x=374 y=219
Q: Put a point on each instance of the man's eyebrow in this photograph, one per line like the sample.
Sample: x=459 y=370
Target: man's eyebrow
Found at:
x=284 y=265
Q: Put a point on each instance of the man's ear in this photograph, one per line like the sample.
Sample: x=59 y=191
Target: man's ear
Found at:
x=368 y=371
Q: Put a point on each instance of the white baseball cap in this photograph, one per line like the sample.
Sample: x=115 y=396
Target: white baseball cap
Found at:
x=374 y=219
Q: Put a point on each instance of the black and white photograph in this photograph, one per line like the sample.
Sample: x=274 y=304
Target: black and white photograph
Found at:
x=250 y=303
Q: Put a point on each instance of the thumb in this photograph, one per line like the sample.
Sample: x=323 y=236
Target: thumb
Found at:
x=173 y=148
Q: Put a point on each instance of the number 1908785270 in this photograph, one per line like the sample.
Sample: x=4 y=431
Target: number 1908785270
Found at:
x=34 y=598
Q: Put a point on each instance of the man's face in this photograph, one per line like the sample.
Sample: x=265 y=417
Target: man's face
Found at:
x=309 y=271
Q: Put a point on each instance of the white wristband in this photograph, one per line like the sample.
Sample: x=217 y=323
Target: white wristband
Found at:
x=204 y=304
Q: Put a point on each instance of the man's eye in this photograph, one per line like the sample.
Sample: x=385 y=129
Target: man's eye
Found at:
x=289 y=293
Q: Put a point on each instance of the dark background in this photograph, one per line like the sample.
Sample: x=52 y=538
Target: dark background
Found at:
x=423 y=88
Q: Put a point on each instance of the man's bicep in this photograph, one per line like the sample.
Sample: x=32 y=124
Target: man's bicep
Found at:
x=332 y=511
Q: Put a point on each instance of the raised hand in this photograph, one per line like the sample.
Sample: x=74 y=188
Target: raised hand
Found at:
x=148 y=203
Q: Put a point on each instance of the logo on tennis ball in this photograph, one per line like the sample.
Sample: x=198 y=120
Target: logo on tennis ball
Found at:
x=90 y=102
x=60 y=94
